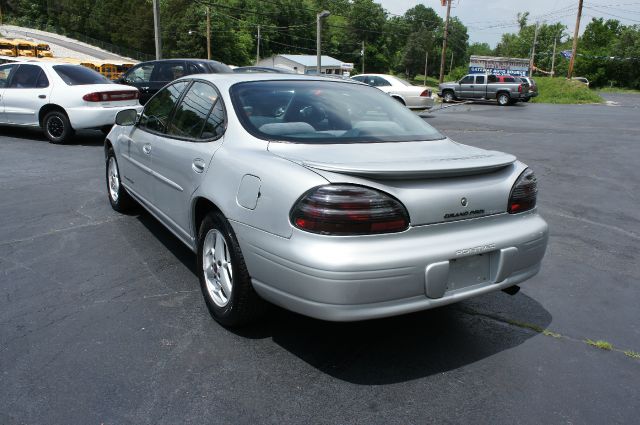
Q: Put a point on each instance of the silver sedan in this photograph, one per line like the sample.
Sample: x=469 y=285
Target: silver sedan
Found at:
x=325 y=197
x=413 y=97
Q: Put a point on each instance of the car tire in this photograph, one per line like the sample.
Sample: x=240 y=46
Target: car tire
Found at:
x=57 y=127
x=119 y=199
x=448 y=97
x=224 y=278
x=503 y=99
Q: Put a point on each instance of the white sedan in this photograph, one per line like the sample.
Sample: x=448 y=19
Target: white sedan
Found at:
x=413 y=97
x=60 y=98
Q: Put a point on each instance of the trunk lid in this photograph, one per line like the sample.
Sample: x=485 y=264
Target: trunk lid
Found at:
x=437 y=181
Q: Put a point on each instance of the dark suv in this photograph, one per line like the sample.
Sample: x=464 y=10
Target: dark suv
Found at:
x=149 y=77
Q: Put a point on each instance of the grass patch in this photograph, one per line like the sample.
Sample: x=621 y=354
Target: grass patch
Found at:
x=419 y=81
x=603 y=345
x=632 y=354
x=563 y=91
x=553 y=334
x=617 y=90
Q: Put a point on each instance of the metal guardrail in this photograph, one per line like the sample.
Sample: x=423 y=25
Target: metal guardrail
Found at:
x=112 y=48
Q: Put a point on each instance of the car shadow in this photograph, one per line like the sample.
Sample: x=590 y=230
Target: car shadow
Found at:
x=81 y=138
x=395 y=349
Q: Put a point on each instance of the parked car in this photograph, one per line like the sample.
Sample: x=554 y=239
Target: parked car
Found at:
x=481 y=86
x=533 y=87
x=245 y=69
x=583 y=80
x=323 y=196
x=413 y=97
x=151 y=76
x=60 y=98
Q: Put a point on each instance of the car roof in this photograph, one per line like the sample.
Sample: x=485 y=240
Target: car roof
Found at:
x=224 y=81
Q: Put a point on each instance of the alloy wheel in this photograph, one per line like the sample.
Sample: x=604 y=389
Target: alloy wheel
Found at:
x=217 y=267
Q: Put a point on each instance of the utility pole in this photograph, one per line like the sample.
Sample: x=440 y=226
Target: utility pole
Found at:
x=451 y=64
x=533 y=52
x=208 y=33
x=319 y=17
x=426 y=65
x=156 y=28
x=363 y=56
x=258 y=47
x=553 y=58
x=444 y=41
x=575 y=40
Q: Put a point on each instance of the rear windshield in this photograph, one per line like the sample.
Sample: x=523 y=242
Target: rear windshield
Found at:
x=325 y=112
x=78 y=75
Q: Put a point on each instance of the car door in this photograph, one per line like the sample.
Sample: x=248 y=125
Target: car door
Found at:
x=165 y=72
x=181 y=158
x=27 y=92
x=140 y=77
x=467 y=86
x=5 y=77
x=138 y=149
x=480 y=87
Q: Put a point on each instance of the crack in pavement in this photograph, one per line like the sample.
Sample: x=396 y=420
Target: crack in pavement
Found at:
x=540 y=330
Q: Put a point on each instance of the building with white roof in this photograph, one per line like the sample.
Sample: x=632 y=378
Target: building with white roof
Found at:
x=307 y=64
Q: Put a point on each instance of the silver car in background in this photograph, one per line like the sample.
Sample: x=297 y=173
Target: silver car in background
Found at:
x=413 y=97
x=325 y=197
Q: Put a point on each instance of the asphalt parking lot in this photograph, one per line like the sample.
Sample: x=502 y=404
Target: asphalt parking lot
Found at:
x=102 y=320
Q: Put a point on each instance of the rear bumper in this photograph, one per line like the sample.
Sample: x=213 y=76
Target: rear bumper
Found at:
x=358 y=278
x=419 y=102
x=94 y=117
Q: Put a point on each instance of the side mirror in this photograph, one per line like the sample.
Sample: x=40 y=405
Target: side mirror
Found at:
x=127 y=117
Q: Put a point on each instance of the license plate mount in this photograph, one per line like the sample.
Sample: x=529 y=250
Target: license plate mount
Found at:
x=469 y=271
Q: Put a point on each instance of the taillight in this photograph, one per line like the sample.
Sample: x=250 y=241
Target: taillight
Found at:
x=342 y=209
x=426 y=93
x=520 y=88
x=524 y=193
x=111 y=96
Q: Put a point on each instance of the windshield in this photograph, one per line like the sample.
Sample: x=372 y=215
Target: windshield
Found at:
x=77 y=75
x=325 y=112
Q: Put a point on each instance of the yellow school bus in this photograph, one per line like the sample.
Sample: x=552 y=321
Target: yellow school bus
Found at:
x=7 y=47
x=44 y=51
x=25 y=48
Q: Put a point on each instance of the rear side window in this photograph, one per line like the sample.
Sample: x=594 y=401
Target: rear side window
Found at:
x=480 y=79
x=26 y=77
x=155 y=115
x=77 y=75
x=43 y=81
x=193 y=111
x=214 y=127
x=168 y=71
x=5 y=74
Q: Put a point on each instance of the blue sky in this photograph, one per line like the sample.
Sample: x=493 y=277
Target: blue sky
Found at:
x=487 y=20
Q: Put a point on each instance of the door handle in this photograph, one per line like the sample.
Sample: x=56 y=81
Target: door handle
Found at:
x=198 y=165
x=144 y=88
x=146 y=149
x=42 y=96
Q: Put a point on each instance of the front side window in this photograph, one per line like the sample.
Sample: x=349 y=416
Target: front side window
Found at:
x=467 y=80
x=325 y=112
x=155 y=115
x=78 y=75
x=193 y=111
x=140 y=74
x=5 y=74
x=26 y=77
